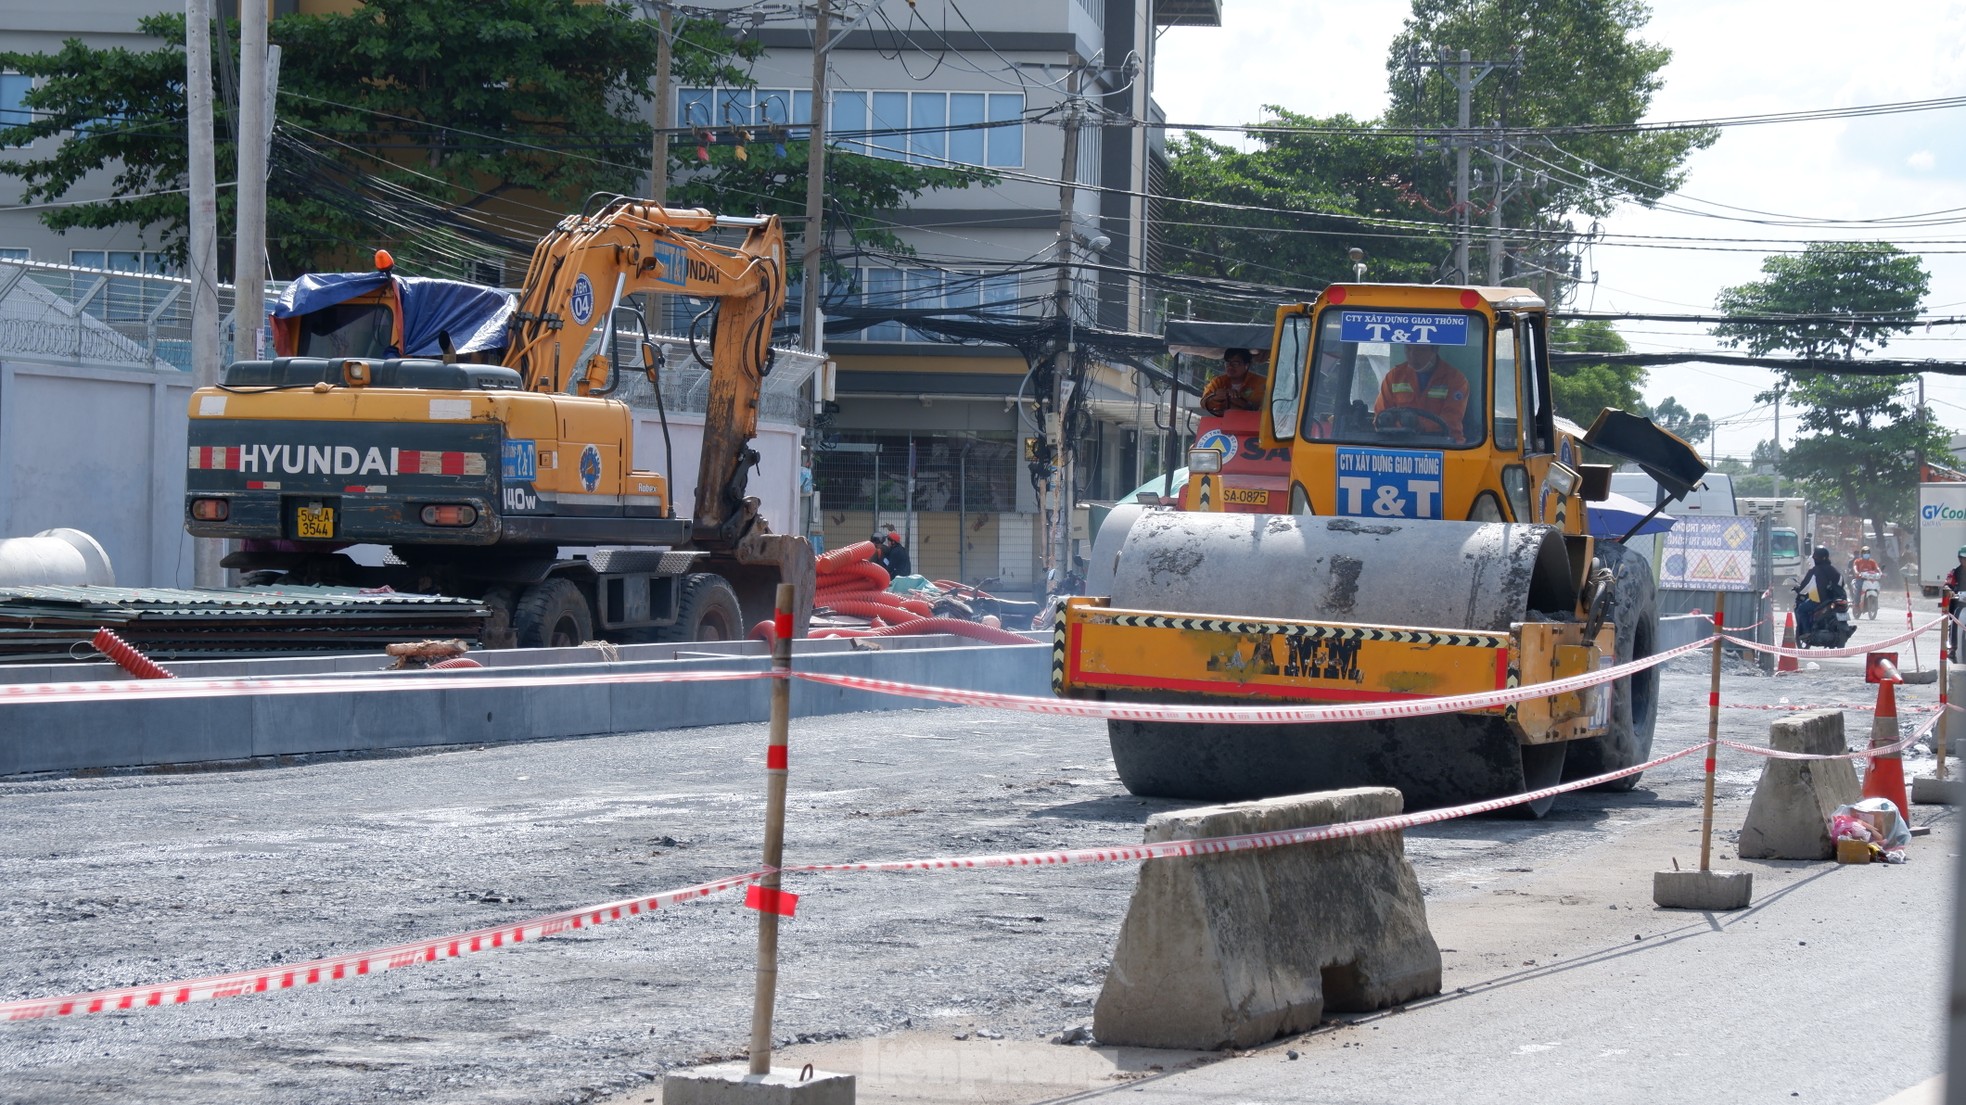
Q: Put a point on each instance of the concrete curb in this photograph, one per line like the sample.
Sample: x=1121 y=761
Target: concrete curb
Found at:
x=106 y=735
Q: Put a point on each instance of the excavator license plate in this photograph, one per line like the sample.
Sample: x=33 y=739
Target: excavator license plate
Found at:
x=1255 y=495
x=314 y=522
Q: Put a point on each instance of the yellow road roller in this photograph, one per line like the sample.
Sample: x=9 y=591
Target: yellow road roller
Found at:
x=1436 y=543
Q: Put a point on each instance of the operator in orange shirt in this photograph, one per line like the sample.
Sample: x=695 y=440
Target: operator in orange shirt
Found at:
x=1434 y=390
x=1236 y=389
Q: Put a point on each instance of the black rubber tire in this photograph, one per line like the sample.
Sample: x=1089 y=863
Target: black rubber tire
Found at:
x=552 y=614
x=1635 y=698
x=1542 y=766
x=708 y=611
x=1440 y=760
x=503 y=601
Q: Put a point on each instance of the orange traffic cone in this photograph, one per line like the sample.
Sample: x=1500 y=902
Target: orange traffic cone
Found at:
x=1787 y=661
x=1886 y=776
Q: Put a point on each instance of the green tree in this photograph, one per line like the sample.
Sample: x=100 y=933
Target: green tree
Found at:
x=1334 y=180
x=1581 y=64
x=1861 y=435
x=1583 y=389
x=450 y=131
x=1672 y=416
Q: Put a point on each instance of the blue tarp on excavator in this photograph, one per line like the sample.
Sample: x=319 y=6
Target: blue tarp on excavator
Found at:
x=475 y=316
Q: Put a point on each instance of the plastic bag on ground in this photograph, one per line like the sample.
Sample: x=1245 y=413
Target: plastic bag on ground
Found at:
x=1873 y=821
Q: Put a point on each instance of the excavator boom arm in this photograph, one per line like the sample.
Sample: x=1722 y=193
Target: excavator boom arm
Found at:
x=589 y=263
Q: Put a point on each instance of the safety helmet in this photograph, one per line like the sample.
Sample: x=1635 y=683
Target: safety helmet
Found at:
x=1822 y=552
x=1962 y=552
x=1865 y=549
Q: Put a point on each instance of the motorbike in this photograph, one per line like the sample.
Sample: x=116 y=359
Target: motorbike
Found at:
x=1868 y=586
x=1829 y=627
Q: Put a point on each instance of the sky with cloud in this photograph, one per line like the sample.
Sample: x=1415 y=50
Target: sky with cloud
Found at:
x=1730 y=58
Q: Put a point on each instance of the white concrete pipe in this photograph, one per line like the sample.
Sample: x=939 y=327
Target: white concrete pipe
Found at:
x=55 y=557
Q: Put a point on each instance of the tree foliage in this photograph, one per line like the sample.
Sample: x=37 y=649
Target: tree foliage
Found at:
x=451 y=131
x=1582 y=65
x=1861 y=435
x=1673 y=417
x=1582 y=390
x=1573 y=63
x=1334 y=185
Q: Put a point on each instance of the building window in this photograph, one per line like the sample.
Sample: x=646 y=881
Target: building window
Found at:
x=949 y=471
x=930 y=128
x=930 y=290
x=123 y=299
x=13 y=91
x=723 y=108
x=15 y=253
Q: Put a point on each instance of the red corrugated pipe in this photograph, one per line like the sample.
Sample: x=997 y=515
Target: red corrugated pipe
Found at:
x=954 y=626
x=839 y=558
x=127 y=657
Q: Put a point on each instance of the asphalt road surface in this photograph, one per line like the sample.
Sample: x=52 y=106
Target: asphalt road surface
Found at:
x=147 y=878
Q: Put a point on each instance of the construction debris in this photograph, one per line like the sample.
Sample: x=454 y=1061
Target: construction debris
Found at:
x=47 y=623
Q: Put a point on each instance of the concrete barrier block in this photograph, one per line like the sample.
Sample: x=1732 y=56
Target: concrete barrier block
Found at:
x=732 y=1084
x=1702 y=890
x=1241 y=948
x=1789 y=816
x=1930 y=790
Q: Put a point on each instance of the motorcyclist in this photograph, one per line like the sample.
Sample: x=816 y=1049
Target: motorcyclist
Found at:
x=1826 y=583
x=1863 y=562
x=1955 y=583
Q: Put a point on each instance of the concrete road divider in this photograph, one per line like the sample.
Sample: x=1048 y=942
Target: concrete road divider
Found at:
x=1239 y=949
x=1789 y=816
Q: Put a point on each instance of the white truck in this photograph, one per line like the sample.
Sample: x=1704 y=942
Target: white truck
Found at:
x=1787 y=522
x=1941 y=532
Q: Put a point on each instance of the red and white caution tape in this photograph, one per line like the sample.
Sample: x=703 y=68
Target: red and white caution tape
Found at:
x=1833 y=653
x=1244 y=842
x=1864 y=707
x=355 y=965
x=358 y=964
x=1898 y=745
x=17 y=693
x=1252 y=715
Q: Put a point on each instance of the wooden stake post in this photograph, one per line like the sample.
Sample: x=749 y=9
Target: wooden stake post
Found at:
x=1945 y=688
x=766 y=894
x=1713 y=740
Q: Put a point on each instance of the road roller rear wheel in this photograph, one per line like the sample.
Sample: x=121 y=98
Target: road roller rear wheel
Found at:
x=1635 y=698
x=1542 y=766
x=1441 y=760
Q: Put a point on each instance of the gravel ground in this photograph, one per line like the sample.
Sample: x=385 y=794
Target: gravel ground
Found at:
x=144 y=878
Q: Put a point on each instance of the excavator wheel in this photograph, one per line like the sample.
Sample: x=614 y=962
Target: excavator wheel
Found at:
x=552 y=614
x=1435 y=574
x=708 y=612
x=1635 y=698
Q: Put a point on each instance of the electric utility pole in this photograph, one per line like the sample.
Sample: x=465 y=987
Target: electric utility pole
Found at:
x=809 y=263
x=249 y=252
x=203 y=245
x=1059 y=553
x=1465 y=73
x=664 y=114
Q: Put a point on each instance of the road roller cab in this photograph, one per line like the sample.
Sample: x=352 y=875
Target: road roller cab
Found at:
x=1433 y=542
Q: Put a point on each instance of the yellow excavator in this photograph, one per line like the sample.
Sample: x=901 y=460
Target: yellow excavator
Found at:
x=473 y=438
x=1435 y=543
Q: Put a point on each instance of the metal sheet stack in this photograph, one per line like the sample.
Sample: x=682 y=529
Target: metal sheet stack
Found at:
x=39 y=624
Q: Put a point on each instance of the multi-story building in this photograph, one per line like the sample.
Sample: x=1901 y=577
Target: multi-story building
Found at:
x=932 y=436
